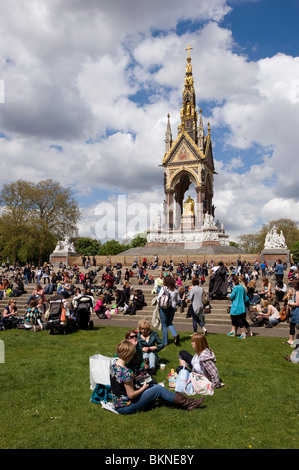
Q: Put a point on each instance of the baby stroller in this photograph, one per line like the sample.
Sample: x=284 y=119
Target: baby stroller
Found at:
x=82 y=309
x=57 y=320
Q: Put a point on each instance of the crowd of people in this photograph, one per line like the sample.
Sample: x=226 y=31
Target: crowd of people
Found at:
x=189 y=286
x=176 y=287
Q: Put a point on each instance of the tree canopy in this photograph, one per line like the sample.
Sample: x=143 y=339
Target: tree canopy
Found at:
x=34 y=217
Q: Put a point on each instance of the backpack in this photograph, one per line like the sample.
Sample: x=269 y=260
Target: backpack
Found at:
x=165 y=300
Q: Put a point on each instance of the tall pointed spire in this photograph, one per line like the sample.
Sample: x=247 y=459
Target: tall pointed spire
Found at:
x=168 y=135
x=189 y=114
x=201 y=132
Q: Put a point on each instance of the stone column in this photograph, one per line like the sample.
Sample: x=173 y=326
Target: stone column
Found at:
x=198 y=208
x=169 y=208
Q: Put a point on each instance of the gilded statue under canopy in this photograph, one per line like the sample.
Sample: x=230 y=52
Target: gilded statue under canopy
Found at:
x=189 y=206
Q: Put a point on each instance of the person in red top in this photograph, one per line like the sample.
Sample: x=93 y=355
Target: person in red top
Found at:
x=108 y=279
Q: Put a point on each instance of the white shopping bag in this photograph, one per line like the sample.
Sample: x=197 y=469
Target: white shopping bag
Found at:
x=99 y=370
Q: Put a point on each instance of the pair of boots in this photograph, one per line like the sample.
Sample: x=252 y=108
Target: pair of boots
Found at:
x=188 y=404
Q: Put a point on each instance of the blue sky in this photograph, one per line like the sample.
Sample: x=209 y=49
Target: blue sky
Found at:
x=88 y=86
x=265 y=27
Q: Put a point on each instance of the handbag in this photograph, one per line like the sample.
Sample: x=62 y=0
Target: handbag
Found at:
x=99 y=370
x=183 y=383
x=201 y=385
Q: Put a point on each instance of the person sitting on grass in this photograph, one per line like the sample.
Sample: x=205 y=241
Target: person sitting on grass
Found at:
x=203 y=362
x=150 y=343
x=127 y=399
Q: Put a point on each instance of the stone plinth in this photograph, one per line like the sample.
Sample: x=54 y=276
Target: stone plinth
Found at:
x=187 y=222
x=271 y=255
x=64 y=250
x=61 y=257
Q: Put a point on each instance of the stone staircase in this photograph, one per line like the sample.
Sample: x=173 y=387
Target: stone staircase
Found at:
x=217 y=321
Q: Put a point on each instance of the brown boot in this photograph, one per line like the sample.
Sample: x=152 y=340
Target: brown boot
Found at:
x=187 y=403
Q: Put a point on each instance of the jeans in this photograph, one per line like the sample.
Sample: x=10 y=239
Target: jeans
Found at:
x=147 y=398
x=152 y=358
x=166 y=316
x=197 y=321
x=49 y=289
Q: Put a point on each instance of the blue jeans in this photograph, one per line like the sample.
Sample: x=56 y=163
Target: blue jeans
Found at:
x=166 y=316
x=147 y=398
x=152 y=358
x=49 y=289
x=196 y=321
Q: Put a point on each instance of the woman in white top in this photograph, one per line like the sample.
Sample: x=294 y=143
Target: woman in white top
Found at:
x=269 y=315
x=167 y=311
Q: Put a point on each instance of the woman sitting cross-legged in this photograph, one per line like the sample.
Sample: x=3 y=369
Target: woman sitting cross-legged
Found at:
x=203 y=362
x=150 y=343
x=127 y=399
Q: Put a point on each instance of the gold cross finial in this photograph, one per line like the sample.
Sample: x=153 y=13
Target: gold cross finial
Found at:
x=188 y=49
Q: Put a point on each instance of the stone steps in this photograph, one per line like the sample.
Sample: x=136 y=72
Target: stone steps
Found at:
x=217 y=318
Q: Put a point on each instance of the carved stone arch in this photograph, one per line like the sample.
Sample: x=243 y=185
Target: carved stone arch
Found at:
x=175 y=178
x=179 y=185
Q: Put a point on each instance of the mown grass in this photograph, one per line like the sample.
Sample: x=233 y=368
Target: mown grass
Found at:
x=45 y=397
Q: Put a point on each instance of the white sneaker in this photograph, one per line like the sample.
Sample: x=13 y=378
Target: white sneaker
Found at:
x=205 y=330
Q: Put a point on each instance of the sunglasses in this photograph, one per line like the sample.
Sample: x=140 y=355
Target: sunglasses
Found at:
x=133 y=336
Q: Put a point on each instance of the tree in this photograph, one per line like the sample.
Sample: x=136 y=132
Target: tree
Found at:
x=87 y=246
x=295 y=252
x=249 y=243
x=36 y=215
x=112 y=247
x=139 y=240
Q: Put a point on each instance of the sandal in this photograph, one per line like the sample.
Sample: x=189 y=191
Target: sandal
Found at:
x=286 y=342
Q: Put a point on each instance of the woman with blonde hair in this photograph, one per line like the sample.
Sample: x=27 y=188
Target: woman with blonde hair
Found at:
x=203 y=361
x=150 y=343
x=127 y=399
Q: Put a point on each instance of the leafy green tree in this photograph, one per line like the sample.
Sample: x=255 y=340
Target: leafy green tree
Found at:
x=34 y=217
x=87 y=246
x=139 y=240
x=231 y=243
x=112 y=247
x=295 y=252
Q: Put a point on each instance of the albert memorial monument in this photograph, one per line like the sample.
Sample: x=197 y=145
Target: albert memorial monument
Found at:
x=187 y=160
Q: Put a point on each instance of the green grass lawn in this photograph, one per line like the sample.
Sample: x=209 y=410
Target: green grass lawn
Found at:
x=45 y=397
